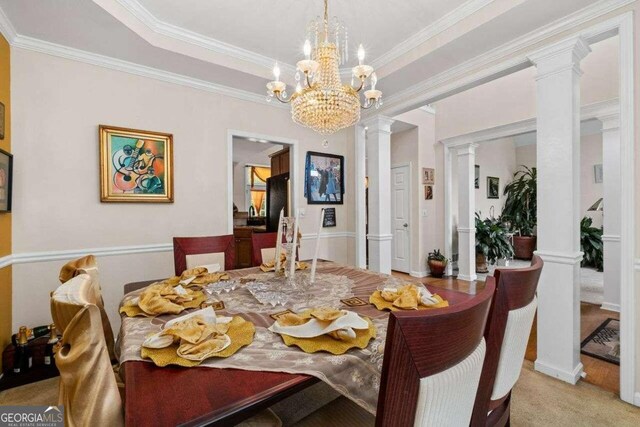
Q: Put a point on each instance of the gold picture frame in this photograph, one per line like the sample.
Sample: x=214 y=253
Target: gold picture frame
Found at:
x=136 y=166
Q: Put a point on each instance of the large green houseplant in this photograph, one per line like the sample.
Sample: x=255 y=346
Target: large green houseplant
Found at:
x=591 y=244
x=492 y=242
x=520 y=211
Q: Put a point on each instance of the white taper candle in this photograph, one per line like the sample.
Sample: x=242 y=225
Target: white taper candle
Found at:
x=278 y=242
x=292 y=271
x=315 y=255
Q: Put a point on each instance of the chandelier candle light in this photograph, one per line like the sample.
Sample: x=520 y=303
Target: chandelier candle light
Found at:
x=324 y=104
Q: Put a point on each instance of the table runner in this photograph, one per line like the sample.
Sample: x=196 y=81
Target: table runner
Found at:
x=355 y=374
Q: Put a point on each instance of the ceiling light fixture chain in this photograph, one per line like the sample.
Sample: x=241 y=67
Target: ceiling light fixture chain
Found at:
x=325 y=104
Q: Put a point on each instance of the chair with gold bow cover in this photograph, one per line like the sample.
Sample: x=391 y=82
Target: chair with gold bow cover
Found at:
x=88 y=388
x=88 y=265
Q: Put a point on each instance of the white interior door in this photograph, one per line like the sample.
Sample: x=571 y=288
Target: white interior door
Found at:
x=400 y=207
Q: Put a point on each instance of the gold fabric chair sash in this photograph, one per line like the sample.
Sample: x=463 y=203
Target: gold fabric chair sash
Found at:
x=88 y=388
x=88 y=265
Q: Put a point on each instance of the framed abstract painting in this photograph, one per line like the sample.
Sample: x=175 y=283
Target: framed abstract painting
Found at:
x=6 y=180
x=324 y=179
x=135 y=165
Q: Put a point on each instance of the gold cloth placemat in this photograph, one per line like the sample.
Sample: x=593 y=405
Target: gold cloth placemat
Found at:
x=332 y=345
x=300 y=265
x=382 y=304
x=240 y=331
x=134 y=310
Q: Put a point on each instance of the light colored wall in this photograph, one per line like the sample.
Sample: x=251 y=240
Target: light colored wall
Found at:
x=5 y=218
x=512 y=98
x=404 y=150
x=58 y=105
x=496 y=159
x=428 y=214
x=590 y=155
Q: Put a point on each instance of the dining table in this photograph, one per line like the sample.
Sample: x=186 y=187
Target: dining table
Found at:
x=230 y=390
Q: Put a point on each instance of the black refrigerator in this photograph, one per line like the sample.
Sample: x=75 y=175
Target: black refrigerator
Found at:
x=277 y=198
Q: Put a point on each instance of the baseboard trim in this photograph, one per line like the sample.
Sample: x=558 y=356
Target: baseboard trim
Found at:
x=610 y=306
x=566 y=376
x=418 y=274
x=636 y=399
x=467 y=278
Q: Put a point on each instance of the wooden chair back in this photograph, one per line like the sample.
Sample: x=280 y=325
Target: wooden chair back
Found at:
x=88 y=388
x=88 y=265
x=260 y=241
x=507 y=334
x=209 y=248
x=430 y=356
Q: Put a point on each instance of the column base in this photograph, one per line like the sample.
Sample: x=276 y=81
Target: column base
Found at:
x=610 y=306
x=466 y=278
x=570 y=377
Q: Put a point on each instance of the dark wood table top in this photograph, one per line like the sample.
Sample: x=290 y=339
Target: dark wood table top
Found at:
x=222 y=397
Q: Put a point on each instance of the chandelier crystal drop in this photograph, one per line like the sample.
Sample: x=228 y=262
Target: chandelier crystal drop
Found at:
x=321 y=101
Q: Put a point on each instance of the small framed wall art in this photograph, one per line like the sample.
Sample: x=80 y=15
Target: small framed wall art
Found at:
x=428 y=176
x=324 y=179
x=135 y=165
x=428 y=192
x=477 y=176
x=493 y=187
x=1 y=120
x=329 y=219
x=6 y=180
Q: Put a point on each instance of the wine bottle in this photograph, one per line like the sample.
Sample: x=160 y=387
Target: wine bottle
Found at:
x=38 y=331
x=48 y=350
x=23 y=359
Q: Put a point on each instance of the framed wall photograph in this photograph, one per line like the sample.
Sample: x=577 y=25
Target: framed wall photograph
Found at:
x=428 y=192
x=493 y=187
x=428 y=176
x=477 y=176
x=6 y=180
x=324 y=179
x=135 y=165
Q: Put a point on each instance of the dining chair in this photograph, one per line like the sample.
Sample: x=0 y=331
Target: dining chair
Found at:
x=88 y=388
x=507 y=334
x=432 y=364
x=189 y=252
x=88 y=265
x=263 y=248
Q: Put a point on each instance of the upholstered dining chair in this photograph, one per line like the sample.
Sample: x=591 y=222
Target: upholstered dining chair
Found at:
x=189 y=252
x=88 y=265
x=88 y=388
x=263 y=247
x=432 y=364
x=507 y=334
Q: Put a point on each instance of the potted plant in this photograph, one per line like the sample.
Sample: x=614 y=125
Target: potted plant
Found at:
x=591 y=244
x=437 y=263
x=520 y=211
x=492 y=242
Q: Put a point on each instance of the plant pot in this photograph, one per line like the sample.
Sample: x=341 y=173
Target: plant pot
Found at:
x=523 y=246
x=437 y=268
x=481 y=263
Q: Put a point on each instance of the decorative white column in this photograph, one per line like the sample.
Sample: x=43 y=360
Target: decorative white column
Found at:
x=378 y=149
x=558 y=162
x=361 y=200
x=466 y=212
x=448 y=215
x=612 y=216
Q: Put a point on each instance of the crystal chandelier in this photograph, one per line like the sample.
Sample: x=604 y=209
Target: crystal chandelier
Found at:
x=321 y=101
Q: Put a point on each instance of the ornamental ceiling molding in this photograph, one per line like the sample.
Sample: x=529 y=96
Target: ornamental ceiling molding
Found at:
x=156 y=28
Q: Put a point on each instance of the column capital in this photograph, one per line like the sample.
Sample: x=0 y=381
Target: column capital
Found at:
x=610 y=122
x=378 y=123
x=561 y=56
x=466 y=149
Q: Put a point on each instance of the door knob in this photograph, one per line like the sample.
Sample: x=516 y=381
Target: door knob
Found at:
x=405 y=225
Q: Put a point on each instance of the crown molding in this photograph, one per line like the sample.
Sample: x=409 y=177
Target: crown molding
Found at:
x=162 y=28
x=6 y=28
x=37 y=45
x=441 y=25
x=483 y=68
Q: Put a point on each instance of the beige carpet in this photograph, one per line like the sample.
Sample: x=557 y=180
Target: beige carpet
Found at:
x=537 y=401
